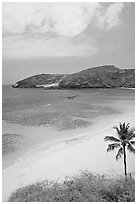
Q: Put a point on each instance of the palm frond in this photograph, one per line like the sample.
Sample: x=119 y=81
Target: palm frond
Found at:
x=124 y=127
x=111 y=138
x=120 y=153
x=131 y=130
x=113 y=146
x=124 y=132
x=132 y=142
x=118 y=130
x=131 y=135
x=130 y=147
x=127 y=126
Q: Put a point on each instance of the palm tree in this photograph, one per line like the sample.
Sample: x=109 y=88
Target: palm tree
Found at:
x=123 y=141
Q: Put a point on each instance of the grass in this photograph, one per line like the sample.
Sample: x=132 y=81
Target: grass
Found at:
x=86 y=187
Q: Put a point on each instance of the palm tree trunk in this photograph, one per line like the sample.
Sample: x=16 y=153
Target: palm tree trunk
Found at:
x=125 y=163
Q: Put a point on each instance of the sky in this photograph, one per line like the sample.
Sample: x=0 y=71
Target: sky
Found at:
x=65 y=37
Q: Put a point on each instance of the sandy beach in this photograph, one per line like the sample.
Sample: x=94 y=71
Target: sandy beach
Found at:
x=69 y=156
x=55 y=141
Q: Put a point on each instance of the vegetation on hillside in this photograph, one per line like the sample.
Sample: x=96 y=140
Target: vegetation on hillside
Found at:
x=86 y=187
x=107 y=76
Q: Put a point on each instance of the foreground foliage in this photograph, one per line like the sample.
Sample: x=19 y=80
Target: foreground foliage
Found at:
x=87 y=187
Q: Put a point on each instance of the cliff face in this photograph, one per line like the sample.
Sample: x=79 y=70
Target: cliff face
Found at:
x=107 y=76
x=38 y=81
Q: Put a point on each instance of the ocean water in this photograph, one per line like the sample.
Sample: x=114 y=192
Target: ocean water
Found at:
x=58 y=109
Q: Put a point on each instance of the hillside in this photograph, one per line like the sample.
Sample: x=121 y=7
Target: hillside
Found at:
x=107 y=76
x=38 y=81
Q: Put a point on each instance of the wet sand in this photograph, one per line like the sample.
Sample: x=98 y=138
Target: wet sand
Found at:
x=33 y=137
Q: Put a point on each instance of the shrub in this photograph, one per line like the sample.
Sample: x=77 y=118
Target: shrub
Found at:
x=86 y=187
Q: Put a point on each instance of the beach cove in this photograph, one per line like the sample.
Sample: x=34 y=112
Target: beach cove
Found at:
x=71 y=151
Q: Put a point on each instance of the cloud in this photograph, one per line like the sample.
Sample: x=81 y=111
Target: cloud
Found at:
x=55 y=29
x=65 y=19
x=52 y=47
x=109 y=17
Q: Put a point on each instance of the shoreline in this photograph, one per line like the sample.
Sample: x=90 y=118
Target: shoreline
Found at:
x=127 y=88
x=67 y=157
x=31 y=133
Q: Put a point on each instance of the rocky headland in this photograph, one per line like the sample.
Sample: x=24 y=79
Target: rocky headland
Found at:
x=107 y=76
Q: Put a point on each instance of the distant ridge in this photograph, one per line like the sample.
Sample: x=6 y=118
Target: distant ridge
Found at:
x=107 y=76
